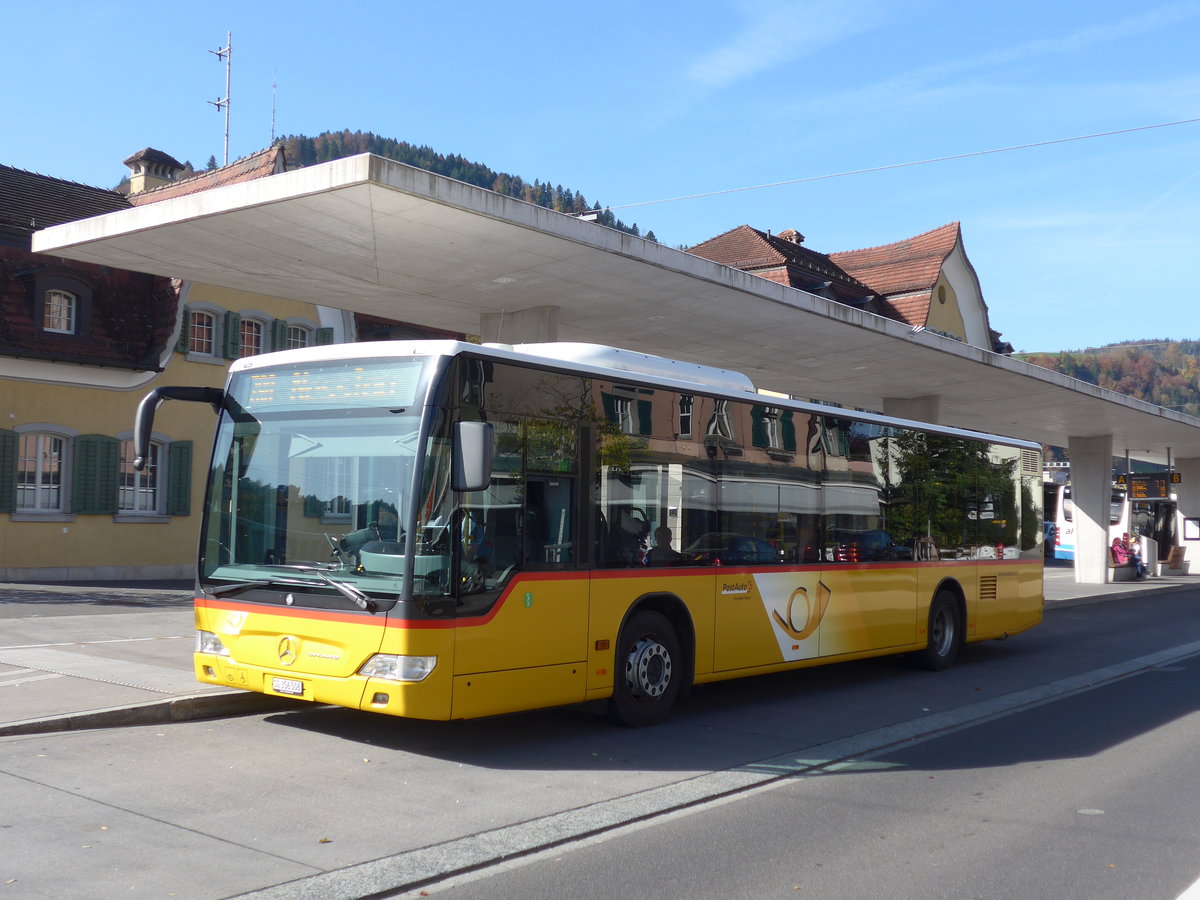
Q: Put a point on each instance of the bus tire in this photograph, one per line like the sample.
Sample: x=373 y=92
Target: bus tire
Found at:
x=647 y=671
x=945 y=633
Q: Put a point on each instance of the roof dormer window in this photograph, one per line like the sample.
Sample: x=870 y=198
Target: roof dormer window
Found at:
x=61 y=303
x=59 y=311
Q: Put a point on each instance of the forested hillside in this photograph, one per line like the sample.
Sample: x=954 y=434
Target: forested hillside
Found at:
x=1165 y=373
x=306 y=151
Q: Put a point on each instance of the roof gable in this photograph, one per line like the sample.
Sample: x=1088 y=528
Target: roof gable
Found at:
x=911 y=265
x=783 y=260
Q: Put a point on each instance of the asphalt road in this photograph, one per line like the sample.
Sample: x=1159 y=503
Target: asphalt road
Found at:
x=968 y=775
x=1092 y=796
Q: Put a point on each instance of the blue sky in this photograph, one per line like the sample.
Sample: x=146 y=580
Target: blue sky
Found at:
x=1076 y=244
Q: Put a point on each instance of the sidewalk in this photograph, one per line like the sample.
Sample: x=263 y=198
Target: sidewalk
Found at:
x=76 y=656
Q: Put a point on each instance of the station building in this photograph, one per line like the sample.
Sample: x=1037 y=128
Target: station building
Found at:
x=80 y=345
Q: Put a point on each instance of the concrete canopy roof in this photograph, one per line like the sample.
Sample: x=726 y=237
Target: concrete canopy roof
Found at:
x=375 y=236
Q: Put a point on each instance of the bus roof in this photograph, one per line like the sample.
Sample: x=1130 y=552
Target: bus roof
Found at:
x=604 y=361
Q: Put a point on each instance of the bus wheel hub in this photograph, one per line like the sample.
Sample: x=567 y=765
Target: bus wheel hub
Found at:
x=648 y=669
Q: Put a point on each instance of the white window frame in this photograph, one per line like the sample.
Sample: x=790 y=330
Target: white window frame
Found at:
x=150 y=482
x=718 y=423
x=770 y=420
x=623 y=410
x=258 y=330
x=217 y=317
x=297 y=336
x=40 y=431
x=687 y=407
x=197 y=346
x=61 y=307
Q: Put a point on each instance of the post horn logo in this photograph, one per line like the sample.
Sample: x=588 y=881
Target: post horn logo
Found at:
x=287 y=650
x=803 y=613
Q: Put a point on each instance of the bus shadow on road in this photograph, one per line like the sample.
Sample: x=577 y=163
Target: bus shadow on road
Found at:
x=1078 y=725
x=718 y=726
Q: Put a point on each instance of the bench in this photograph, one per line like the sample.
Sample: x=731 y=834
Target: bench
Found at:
x=1126 y=571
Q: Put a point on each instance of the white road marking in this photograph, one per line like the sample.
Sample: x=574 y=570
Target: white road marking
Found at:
x=5 y=681
x=1192 y=893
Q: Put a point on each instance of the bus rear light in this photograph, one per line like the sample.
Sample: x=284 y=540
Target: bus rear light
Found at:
x=398 y=668
x=207 y=642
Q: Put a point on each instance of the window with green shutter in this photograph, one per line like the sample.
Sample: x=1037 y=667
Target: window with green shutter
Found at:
x=8 y=470
x=279 y=334
x=96 y=464
x=758 y=427
x=232 y=338
x=181 y=345
x=179 y=478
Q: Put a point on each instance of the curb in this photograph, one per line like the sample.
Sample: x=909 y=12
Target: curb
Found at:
x=175 y=709
x=1118 y=595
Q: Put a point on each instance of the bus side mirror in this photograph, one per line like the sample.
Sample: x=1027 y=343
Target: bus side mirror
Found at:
x=144 y=423
x=472 y=462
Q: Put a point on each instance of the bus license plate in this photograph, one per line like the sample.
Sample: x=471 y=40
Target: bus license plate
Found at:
x=289 y=686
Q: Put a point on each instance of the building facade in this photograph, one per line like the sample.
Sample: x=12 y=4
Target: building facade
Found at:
x=81 y=344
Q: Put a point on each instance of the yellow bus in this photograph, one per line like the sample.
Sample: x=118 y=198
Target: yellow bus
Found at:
x=445 y=530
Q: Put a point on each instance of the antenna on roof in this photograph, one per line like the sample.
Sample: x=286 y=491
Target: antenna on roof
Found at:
x=225 y=54
x=274 y=79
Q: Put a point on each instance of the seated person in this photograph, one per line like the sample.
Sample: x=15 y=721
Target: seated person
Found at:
x=662 y=554
x=1120 y=552
x=1134 y=550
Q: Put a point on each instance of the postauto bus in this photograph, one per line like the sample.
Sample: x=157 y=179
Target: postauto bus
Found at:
x=444 y=530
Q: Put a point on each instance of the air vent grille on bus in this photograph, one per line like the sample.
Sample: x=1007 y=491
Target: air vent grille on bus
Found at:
x=988 y=587
x=1031 y=462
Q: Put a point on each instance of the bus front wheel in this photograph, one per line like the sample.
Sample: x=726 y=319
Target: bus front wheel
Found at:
x=945 y=633
x=648 y=671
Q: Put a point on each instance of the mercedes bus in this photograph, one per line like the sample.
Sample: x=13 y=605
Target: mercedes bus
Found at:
x=446 y=530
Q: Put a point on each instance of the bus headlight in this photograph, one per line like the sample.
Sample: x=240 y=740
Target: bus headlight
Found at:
x=398 y=668
x=207 y=642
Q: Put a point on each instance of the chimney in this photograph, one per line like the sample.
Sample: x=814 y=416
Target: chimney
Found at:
x=150 y=168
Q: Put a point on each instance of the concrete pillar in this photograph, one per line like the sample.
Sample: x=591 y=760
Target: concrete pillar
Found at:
x=1091 y=491
x=537 y=324
x=919 y=409
x=1188 y=494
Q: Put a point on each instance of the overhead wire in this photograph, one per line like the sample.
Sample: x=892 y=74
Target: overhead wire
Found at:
x=905 y=165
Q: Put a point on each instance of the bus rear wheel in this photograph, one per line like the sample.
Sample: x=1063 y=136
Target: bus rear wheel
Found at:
x=648 y=671
x=945 y=633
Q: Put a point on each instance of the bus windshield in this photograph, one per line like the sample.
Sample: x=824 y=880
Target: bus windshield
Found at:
x=312 y=472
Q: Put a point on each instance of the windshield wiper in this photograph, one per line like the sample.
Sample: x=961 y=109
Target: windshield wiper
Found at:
x=361 y=600
x=235 y=586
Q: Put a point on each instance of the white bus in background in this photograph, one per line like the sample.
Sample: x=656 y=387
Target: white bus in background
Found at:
x=1147 y=518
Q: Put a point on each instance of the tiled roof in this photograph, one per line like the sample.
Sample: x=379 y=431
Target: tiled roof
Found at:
x=130 y=316
x=127 y=324
x=781 y=258
x=749 y=249
x=742 y=248
x=912 y=309
x=910 y=265
x=29 y=201
x=248 y=168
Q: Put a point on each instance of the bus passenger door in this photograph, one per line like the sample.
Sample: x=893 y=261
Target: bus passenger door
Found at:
x=537 y=614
